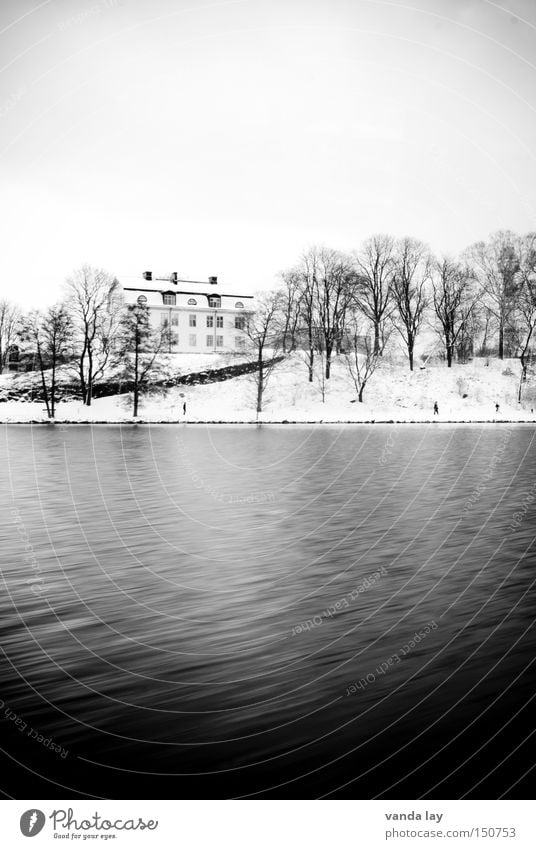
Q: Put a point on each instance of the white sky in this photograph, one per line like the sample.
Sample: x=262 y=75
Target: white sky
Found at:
x=224 y=137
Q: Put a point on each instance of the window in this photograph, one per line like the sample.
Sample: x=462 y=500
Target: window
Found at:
x=214 y=301
x=239 y=305
x=164 y=319
x=210 y=321
x=175 y=320
x=142 y=300
x=192 y=341
x=240 y=342
x=240 y=322
x=219 y=341
x=169 y=298
x=193 y=321
x=219 y=321
x=192 y=302
x=210 y=341
x=174 y=338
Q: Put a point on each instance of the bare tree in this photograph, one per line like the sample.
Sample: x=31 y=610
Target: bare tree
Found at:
x=291 y=309
x=95 y=309
x=454 y=300
x=497 y=264
x=332 y=285
x=526 y=304
x=360 y=355
x=411 y=277
x=318 y=291
x=306 y=273
x=140 y=346
x=51 y=332
x=487 y=325
x=10 y=318
x=374 y=265
x=320 y=373
x=263 y=332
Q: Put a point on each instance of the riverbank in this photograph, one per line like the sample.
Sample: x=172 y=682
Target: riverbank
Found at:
x=464 y=394
x=137 y=422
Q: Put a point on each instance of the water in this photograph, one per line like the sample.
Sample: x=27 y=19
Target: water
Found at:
x=232 y=611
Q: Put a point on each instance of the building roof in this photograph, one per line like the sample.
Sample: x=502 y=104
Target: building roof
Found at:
x=184 y=287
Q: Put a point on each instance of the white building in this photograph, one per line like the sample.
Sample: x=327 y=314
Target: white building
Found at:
x=201 y=317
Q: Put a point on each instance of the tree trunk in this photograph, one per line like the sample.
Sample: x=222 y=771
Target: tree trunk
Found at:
x=136 y=376
x=361 y=390
x=83 y=388
x=311 y=364
x=449 y=347
x=411 y=345
x=522 y=379
x=376 y=338
x=53 y=387
x=524 y=352
x=501 y=339
x=484 y=344
x=81 y=365
x=329 y=351
x=285 y=334
x=89 y=388
x=43 y=382
x=260 y=382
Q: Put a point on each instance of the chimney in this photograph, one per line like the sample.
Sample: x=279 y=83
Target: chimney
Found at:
x=213 y=281
x=147 y=275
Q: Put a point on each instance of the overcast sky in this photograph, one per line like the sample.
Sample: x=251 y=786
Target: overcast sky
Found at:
x=223 y=138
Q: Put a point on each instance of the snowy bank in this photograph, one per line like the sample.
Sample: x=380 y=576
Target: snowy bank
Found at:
x=464 y=393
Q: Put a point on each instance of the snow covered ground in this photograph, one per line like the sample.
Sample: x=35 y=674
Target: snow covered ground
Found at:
x=393 y=394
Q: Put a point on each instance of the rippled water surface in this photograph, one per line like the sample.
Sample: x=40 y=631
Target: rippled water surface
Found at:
x=273 y=611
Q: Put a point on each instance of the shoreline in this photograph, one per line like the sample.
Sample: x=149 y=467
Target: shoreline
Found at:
x=467 y=394
x=63 y=422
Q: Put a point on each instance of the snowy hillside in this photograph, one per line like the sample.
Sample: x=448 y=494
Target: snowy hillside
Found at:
x=463 y=393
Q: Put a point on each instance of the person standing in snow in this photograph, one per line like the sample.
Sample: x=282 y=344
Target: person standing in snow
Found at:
x=496 y=408
x=436 y=409
x=184 y=409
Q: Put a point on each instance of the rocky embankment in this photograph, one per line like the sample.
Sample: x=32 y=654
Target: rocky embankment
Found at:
x=28 y=388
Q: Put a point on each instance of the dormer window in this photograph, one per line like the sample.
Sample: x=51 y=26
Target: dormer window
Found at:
x=169 y=299
x=239 y=305
x=142 y=300
x=214 y=301
x=192 y=302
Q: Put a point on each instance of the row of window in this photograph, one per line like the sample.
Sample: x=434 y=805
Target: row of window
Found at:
x=210 y=320
x=239 y=323
x=239 y=341
x=170 y=300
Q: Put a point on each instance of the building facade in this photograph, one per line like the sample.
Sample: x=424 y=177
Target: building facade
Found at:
x=201 y=317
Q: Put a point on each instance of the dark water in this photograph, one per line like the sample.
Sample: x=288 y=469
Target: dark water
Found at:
x=232 y=611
